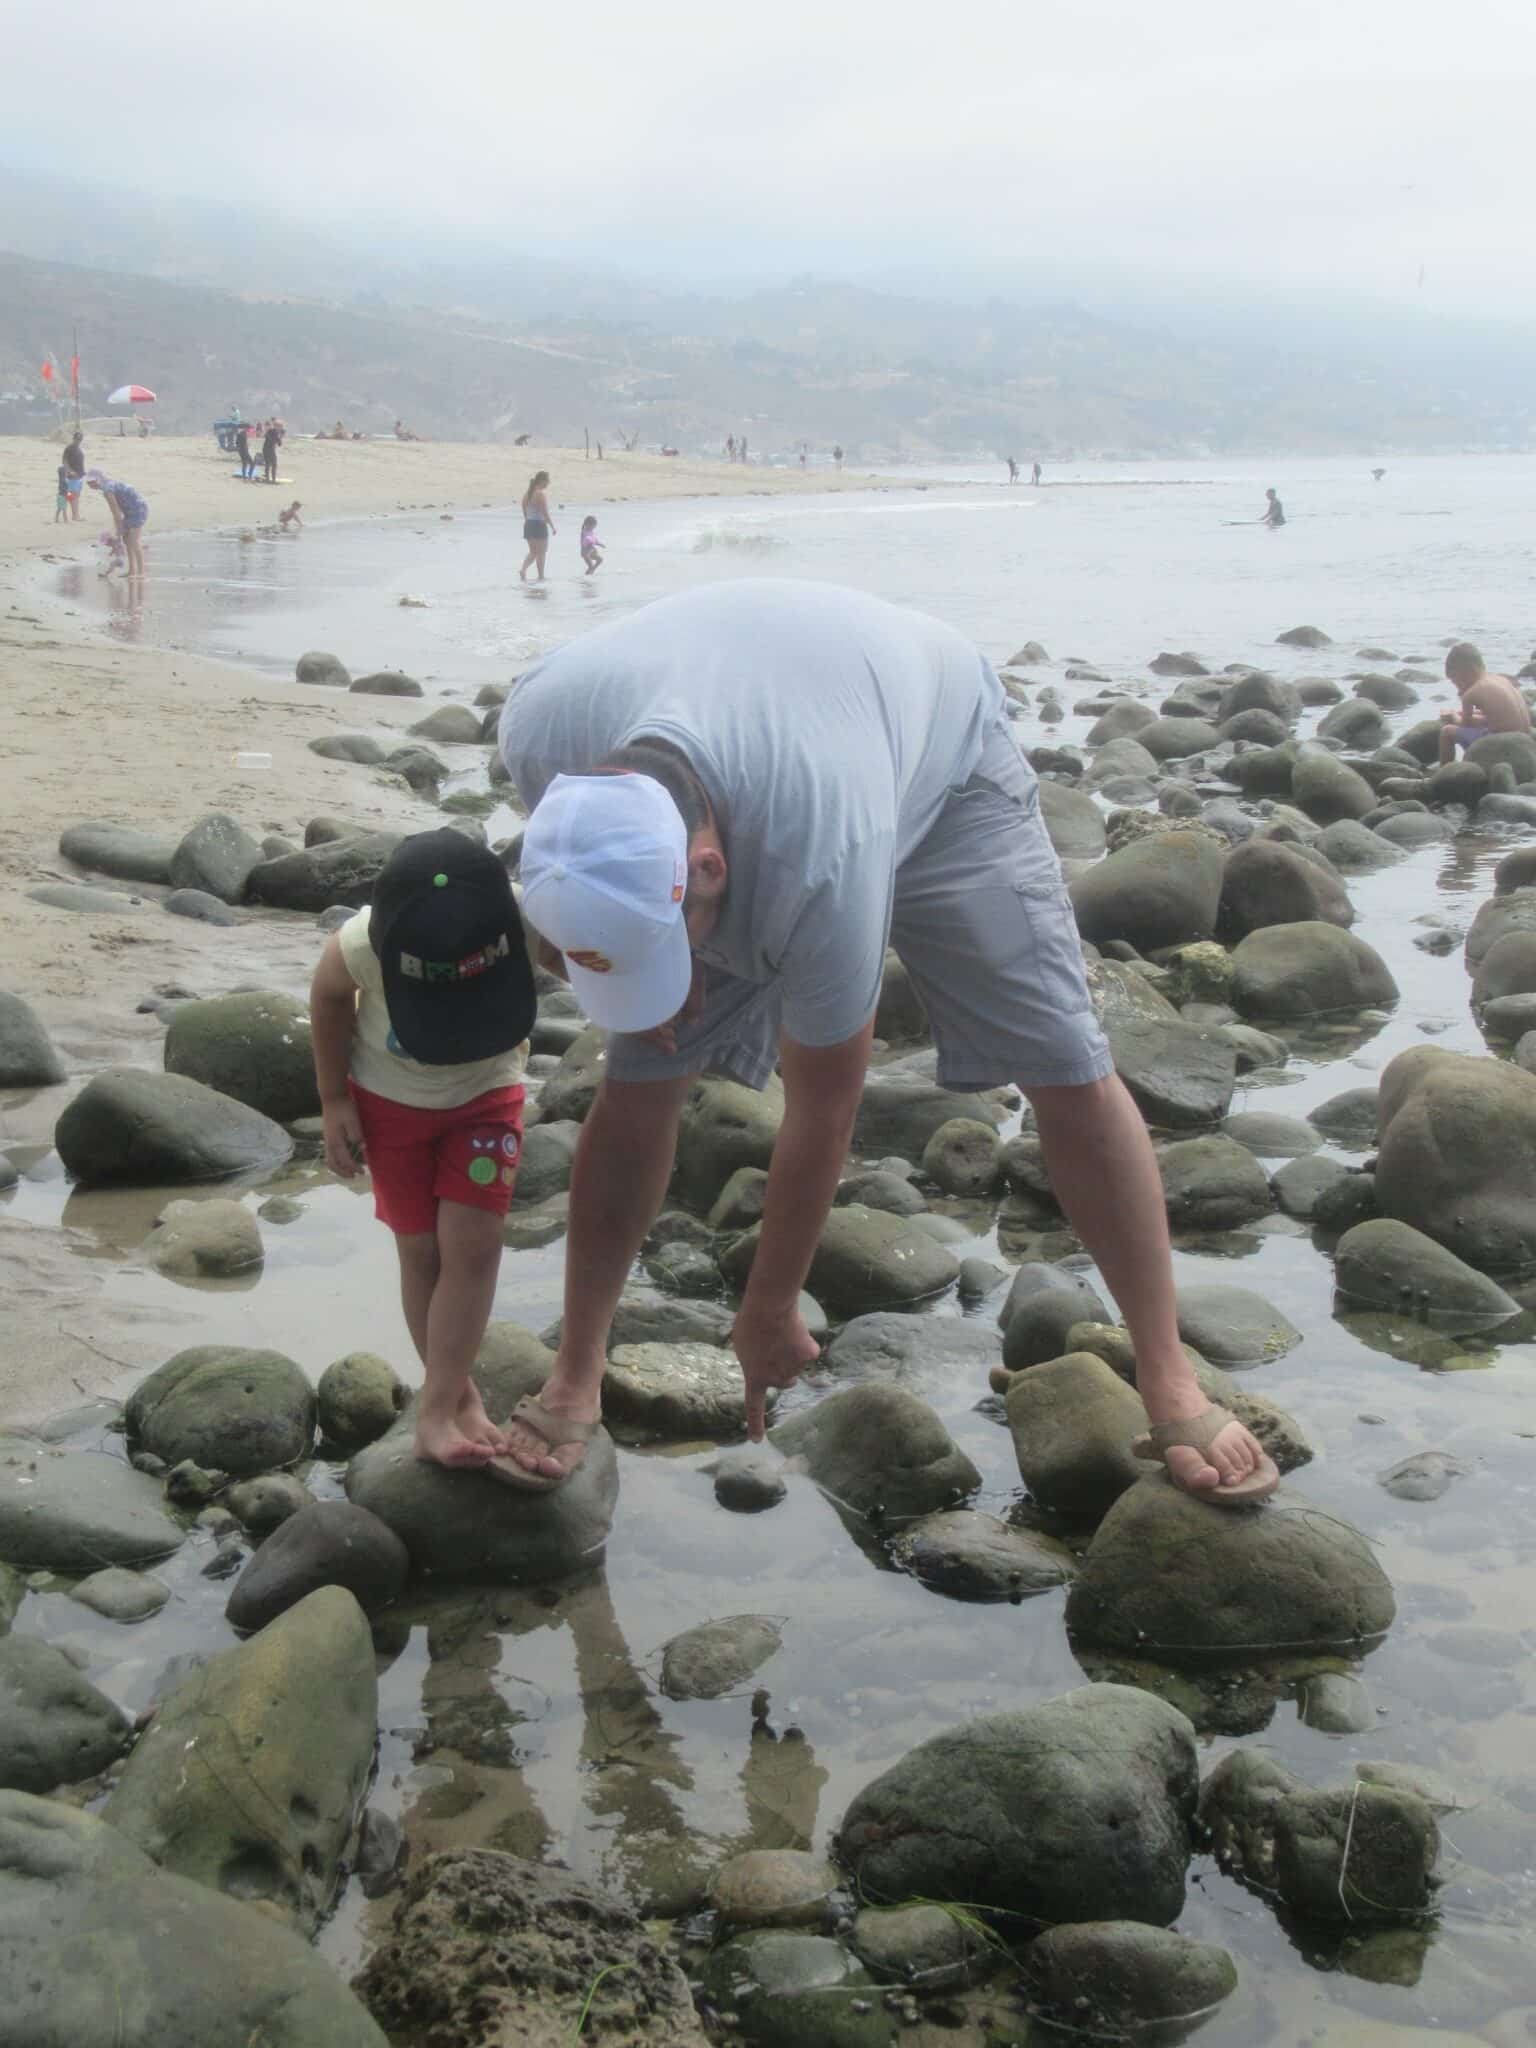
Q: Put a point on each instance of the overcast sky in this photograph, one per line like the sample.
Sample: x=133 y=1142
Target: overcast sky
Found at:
x=1353 y=144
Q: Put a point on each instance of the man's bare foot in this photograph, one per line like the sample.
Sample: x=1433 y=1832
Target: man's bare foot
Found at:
x=550 y=1461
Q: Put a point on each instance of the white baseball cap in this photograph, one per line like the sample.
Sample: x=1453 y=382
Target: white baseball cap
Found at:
x=604 y=872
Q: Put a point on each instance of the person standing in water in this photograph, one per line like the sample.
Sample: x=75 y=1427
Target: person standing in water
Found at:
x=1013 y=470
x=1274 y=515
x=537 y=524
x=1035 y=474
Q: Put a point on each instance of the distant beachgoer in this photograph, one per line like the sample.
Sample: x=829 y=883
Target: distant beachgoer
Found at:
x=243 y=450
x=537 y=524
x=1274 y=515
x=289 y=521
x=591 y=546
x=339 y=432
x=1488 y=703
x=61 y=502
x=271 y=441
x=1035 y=474
x=1013 y=470
x=522 y=440
x=403 y=432
x=802 y=458
x=74 y=465
x=130 y=515
x=837 y=455
x=741 y=449
x=730 y=447
x=1378 y=474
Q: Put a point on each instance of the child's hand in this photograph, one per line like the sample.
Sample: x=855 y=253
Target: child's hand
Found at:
x=344 y=1153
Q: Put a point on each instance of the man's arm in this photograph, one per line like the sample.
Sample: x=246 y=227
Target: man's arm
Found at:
x=822 y=1089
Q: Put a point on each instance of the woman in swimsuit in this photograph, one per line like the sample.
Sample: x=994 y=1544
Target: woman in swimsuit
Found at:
x=130 y=515
x=537 y=524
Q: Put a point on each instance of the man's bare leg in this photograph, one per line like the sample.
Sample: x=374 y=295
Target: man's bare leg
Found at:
x=1102 y=1167
x=618 y=1183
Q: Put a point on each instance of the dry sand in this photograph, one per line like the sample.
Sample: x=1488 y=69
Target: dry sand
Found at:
x=92 y=728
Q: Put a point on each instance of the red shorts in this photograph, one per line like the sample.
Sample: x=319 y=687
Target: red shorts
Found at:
x=420 y=1157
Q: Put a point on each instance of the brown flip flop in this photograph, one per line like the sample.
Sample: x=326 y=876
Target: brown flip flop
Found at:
x=1199 y=1432
x=553 y=1430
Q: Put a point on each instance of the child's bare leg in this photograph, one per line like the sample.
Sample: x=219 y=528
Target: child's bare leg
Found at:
x=419 y=1268
x=1447 y=743
x=451 y=1423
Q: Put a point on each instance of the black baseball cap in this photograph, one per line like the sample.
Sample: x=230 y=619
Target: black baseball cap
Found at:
x=446 y=928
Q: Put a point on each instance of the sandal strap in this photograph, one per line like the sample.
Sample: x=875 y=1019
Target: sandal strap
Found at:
x=1197 y=1432
x=552 y=1429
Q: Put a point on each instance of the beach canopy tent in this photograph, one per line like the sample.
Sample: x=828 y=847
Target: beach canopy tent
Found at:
x=132 y=394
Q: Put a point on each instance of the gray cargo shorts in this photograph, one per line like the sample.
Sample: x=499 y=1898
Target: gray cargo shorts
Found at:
x=981 y=921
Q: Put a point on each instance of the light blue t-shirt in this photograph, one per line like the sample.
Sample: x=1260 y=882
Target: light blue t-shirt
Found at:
x=827 y=728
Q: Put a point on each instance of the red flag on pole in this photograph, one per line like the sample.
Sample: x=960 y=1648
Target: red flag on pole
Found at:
x=74 y=375
x=48 y=371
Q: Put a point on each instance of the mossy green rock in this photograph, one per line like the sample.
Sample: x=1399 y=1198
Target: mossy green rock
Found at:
x=358 y=1399
x=1390 y=1265
x=255 y=1047
x=249 y=1777
x=97 y=1945
x=237 y=1410
x=864 y=1259
x=1172 y=1577
x=724 y=1126
x=1076 y=1809
x=878 y=1450
x=787 y=1990
x=1109 y=1975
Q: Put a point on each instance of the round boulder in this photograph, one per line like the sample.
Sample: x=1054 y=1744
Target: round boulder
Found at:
x=1162 y=890
x=1174 y=1578
x=450 y=725
x=1458 y=1134
x=878 y=1451
x=209 y=1240
x=327 y=1543
x=130 y=1127
x=254 y=1047
x=27 y=1055
x=1289 y=971
x=1267 y=882
x=1390 y=1265
x=1328 y=789
x=358 y=1399
x=1076 y=1809
x=1116 y=1978
x=226 y=1407
x=322 y=668
x=56 y=1728
x=964 y=1157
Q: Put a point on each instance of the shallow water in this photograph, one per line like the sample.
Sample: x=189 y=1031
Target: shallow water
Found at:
x=533 y=1721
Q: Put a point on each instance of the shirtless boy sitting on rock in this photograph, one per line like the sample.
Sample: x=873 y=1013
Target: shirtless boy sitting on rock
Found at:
x=1488 y=703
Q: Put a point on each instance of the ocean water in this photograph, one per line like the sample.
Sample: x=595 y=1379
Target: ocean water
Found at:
x=1108 y=564
x=508 y=1722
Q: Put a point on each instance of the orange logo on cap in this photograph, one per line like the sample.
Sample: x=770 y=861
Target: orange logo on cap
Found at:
x=595 y=963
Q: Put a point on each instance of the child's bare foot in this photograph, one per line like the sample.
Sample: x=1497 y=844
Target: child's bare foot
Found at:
x=441 y=1440
x=476 y=1424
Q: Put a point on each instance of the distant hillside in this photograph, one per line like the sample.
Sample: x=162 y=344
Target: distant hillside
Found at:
x=814 y=362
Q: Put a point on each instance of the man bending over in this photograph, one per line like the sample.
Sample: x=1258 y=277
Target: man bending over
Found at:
x=738 y=797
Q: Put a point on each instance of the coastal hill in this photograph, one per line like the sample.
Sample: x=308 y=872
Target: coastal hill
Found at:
x=215 y=311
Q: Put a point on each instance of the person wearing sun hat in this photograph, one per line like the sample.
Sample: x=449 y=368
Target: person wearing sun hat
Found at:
x=738 y=798
x=421 y=1008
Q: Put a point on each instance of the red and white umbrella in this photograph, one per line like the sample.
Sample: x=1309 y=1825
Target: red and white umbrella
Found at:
x=132 y=394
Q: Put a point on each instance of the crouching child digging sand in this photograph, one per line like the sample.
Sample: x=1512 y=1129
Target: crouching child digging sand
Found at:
x=421 y=1008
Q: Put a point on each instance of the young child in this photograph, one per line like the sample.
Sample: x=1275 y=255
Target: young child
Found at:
x=591 y=546
x=289 y=521
x=1488 y=703
x=115 y=555
x=61 y=503
x=421 y=1008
